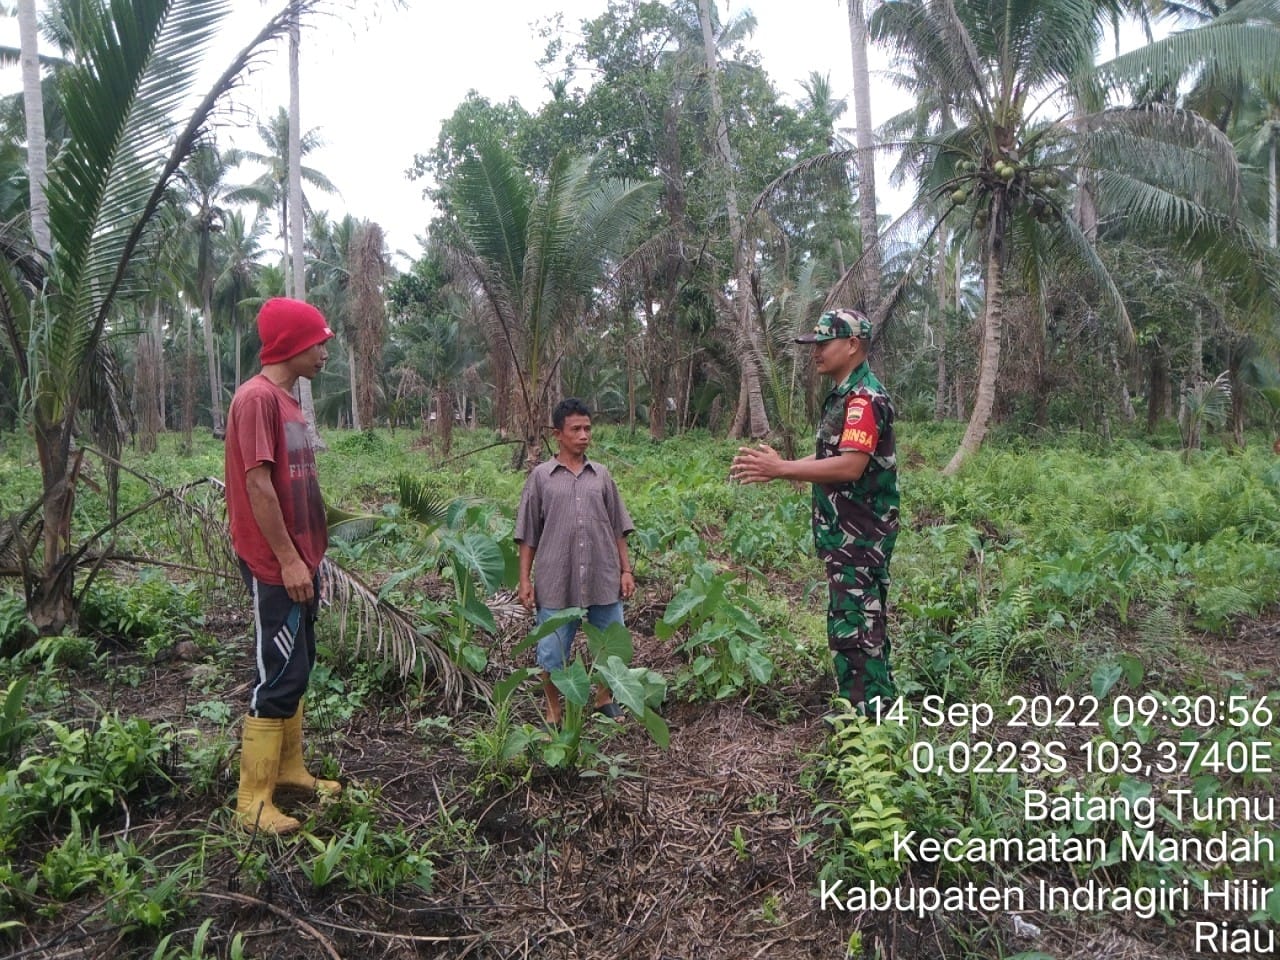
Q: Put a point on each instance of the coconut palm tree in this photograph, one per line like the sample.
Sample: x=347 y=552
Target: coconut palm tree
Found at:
x=282 y=182
x=1001 y=172
x=535 y=257
x=33 y=106
x=134 y=68
x=240 y=250
x=864 y=137
x=1010 y=66
x=204 y=175
x=752 y=419
x=273 y=184
x=329 y=282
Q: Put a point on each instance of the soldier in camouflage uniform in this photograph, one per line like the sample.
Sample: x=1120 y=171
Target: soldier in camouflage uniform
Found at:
x=855 y=503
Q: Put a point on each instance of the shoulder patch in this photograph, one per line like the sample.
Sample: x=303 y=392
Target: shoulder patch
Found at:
x=860 y=434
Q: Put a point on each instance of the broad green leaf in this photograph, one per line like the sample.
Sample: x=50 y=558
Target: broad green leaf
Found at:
x=761 y=666
x=482 y=555
x=1133 y=669
x=475 y=658
x=657 y=727
x=678 y=610
x=553 y=754
x=627 y=683
x=548 y=626
x=573 y=682
x=613 y=641
x=475 y=612
x=504 y=688
x=517 y=740
x=1104 y=678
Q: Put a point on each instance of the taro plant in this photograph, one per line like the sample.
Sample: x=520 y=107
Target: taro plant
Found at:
x=725 y=646
x=453 y=538
x=608 y=662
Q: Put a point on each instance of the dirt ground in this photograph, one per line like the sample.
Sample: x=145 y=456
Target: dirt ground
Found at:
x=704 y=850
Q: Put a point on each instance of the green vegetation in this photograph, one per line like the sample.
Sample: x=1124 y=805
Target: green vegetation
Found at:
x=1052 y=571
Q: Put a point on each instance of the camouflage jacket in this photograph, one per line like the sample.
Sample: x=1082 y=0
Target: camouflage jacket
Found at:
x=857 y=523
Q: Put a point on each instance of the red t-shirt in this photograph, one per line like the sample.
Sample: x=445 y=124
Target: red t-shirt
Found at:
x=265 y=425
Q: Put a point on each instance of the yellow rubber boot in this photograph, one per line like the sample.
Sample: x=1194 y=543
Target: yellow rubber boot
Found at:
x=293 y=772
x=259 y=762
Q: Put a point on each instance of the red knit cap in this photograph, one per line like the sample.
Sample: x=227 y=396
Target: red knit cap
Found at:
x=287 y=327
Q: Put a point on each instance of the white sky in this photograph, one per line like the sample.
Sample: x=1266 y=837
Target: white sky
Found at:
x=379 y=92
x=377 y=87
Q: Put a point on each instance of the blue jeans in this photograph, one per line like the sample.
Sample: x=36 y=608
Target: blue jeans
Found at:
x=554 y=648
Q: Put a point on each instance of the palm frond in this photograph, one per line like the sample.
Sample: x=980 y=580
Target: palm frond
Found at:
x=136 y=67
x=1177 y=149
x=1067 y=236
x=370 y=624
x=347 y=527
x=421 y=501
x=493 y=200
x=382 y=630
x=608 y=217
x=551 y=290
x=1243 y=42
x=1210 y=400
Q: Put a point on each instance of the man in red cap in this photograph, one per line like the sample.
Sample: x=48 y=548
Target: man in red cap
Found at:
x=279 y=534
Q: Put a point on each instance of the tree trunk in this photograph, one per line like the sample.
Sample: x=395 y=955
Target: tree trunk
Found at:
x=629 y=354
x=302 y=389
x=1086 y=208
x=188 y=383
x=658 y=335
x=444 y=419
x=33 y=106
x=162 y=368
x=1126 y=402
x=940 y=328
x=755 y=423
x=367 y=315
x=1195 y=365
x=215 y=372
x=51 y=604
x=356 y=422
x=661 y=332
x=146 y=386
x=864 y=140
x=989 y=359
x=1234 y=359
x=290 y=288
x=238 y=351
x=1157 y=389
x=1272 y=187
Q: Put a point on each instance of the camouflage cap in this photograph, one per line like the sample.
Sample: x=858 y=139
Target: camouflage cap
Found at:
x=838 y=325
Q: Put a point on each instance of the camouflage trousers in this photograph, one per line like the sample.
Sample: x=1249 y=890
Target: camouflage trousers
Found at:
x=857 y=633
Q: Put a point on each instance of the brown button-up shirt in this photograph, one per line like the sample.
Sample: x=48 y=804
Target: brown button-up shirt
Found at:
x=573 y=522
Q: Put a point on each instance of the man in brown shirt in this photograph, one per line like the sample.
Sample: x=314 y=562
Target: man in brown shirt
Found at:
x=572 y=530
